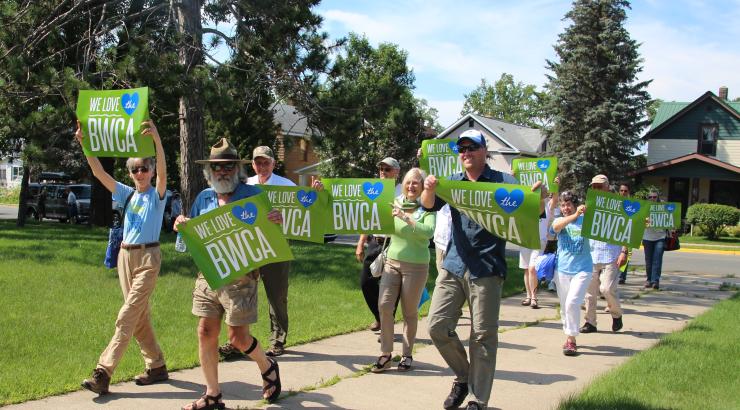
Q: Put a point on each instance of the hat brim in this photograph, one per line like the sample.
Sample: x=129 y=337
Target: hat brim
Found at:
x=262 y=156
x=461 y=139
x=208 y=161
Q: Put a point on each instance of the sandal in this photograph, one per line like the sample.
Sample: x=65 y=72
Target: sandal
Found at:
x=379 y=366
x=274 y=368
x=210 y=403
x=405 y=364
x=526 y=301
x=534 y=304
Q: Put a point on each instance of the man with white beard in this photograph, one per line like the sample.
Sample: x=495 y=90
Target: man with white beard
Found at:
x=236 y=302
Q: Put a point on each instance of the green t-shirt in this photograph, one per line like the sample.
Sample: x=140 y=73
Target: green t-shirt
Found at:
x=411 y=243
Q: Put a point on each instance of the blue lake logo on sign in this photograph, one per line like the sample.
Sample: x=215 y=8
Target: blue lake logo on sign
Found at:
x=371 y=190
x=306 y=198
x=453 y=147
x=247 y=214
x=630 y=207
x=543 y=164
x=670 y=207
x=509 y=201
x=130 y=102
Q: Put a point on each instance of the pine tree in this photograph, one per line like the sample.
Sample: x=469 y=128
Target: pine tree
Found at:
x=596 y=103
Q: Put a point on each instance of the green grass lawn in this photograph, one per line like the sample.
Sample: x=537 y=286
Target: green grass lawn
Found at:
x=9 y=196
x=59 y=305
x=691 y=369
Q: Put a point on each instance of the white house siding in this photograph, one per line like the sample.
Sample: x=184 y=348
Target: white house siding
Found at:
x=7 y=173
x=660 y=150
x=729 y=151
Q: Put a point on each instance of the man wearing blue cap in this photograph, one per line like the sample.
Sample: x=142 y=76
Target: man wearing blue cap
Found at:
x=474 y=270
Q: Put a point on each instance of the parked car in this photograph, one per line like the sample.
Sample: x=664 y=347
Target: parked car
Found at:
x=50 y=201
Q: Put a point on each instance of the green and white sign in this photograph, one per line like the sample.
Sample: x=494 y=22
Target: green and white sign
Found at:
x=111 y=122
x=505 y=210
x=665 y=215
x=235 y=239
x=439 y=157
x=614 y=219
x=530 y=170
x=360 y=205
x=306 y=211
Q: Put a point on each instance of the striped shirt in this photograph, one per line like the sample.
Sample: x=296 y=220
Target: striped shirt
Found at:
x=602 y=252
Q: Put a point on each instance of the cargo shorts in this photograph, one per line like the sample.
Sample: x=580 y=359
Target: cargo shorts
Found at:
x=236 y=302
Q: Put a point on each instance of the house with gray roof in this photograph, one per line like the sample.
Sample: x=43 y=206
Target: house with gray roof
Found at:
x=295 y=143
x=504 y=140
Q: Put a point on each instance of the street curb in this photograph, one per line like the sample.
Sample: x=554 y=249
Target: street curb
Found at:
x=710 y=251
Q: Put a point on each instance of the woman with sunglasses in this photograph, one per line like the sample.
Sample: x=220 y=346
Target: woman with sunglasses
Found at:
x=138 y=262
x=653 y=240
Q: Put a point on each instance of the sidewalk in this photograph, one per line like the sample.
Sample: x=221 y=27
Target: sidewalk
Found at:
x=531 y=373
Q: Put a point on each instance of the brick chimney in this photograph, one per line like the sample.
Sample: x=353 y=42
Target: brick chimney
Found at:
x=723 y=92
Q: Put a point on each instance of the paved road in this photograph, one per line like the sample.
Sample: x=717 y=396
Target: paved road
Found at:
x=8 y=212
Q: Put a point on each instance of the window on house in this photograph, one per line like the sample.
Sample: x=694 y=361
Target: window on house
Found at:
x=17 y=172
x=708 y=139
x=3 y=175
x=304 y=149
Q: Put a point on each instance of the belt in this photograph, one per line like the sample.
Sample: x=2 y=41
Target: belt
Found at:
x=139 y=245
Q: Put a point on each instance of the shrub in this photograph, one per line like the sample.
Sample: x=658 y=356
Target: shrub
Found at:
x=712 y=218
x=9 y=195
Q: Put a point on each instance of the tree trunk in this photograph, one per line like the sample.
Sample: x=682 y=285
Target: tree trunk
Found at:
x=23 y=197
x=192 y=130
x=101 y=212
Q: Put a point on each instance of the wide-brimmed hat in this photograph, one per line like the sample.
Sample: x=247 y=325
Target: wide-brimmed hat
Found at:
x=223 y=151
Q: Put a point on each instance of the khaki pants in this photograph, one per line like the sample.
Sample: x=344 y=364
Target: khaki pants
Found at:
x=406 y=279
x=137 y=271
x=484 y=300
x=604 y=280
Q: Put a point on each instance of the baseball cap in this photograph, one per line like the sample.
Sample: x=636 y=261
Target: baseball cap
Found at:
x=391 y=162
x=263 y=151
x=600 y=179
x=473 y=136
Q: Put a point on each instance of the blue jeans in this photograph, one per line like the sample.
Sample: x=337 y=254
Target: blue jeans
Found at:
x=653 y=259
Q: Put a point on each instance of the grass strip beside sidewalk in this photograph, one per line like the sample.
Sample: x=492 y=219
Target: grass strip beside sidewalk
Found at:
x=696 y=368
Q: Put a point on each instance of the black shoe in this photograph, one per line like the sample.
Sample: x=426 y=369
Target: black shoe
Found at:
x=648 y=284
x=457 y=395
x=621 y=281
x=616 y=324
x=656 y=285
x=588 y=328
x=473 y=405
x=228 y=352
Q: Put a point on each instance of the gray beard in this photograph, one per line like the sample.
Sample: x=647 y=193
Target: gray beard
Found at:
x=224 y=185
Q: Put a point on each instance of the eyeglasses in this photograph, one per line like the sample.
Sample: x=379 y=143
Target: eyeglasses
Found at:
x=385 y=169
x=136 y=170
x=229 y=166
x=465 y=148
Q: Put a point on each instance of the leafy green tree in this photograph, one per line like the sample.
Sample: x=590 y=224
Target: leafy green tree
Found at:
x=712 y=218
x=368 y=110
x=429 y=115
x=507 y=100
x=595 y=101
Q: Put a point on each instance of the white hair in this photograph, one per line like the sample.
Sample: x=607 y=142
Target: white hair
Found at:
x=220 y=186
x=148 y=161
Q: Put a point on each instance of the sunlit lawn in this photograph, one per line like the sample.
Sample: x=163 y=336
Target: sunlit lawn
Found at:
x=59 y=305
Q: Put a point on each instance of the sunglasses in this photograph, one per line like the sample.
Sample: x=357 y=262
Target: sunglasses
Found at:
x=136 y=170
x=465 y=148
x=385 y=169
x=652 y=197
x=229 y=166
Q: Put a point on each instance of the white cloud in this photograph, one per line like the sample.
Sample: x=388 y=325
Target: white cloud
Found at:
x=449 y=110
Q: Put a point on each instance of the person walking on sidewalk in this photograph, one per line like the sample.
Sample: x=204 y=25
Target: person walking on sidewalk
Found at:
x=606 y=261
x=370 y=285
x=406 y=270
x=624 y=190
x=236 y=302
x=473 y=271
x=138 y=263
x=573 y=272
x=653 y=241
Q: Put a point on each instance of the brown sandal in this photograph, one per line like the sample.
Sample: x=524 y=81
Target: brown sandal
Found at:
x=210 y=403
x=274 y=368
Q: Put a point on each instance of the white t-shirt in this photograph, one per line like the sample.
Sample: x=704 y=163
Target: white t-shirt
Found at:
x=274 y=180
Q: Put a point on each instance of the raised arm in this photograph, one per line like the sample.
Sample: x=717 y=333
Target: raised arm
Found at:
x=562 y=222
x=428 y=194
x=97 y=168
x=161 y=164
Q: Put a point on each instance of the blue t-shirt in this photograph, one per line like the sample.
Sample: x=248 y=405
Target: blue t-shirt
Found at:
x=207 y=199
x=143 y=214
x=574 y=253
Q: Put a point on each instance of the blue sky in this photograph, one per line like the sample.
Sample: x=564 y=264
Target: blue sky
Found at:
x=688 y=46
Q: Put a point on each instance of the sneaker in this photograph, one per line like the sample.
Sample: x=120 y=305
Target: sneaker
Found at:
x=473 y=405
x=656 y=285
x=616 y=324
x=570 y=349
x=587 y=328
x=151 y=376
x=228 y=352
x=457 y=395
x=648 y=284
x=276 y=350
x=98 y=383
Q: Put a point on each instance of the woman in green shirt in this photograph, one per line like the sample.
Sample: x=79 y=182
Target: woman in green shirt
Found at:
x=406 y=269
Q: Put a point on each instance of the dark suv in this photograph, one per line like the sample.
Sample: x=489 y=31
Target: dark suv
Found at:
x=49 y=200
